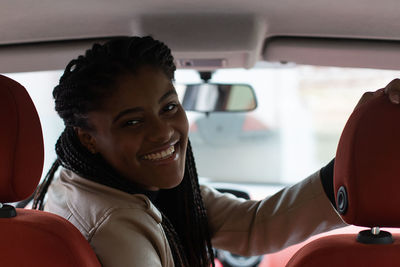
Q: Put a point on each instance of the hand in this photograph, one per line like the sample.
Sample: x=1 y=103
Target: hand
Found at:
x=392 y=90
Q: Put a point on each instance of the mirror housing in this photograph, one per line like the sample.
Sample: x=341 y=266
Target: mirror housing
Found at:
x=215 y=97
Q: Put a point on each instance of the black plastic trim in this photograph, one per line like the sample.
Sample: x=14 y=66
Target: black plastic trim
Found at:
x=366 y=237
x=7 y=211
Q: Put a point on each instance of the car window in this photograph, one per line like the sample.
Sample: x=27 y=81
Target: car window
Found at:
x=293 y=132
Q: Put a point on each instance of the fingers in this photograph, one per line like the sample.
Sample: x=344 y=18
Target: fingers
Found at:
x=379 y=92
x=365 y=98
x=393 y=91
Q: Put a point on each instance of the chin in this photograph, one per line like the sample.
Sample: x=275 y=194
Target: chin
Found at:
x=171 y=184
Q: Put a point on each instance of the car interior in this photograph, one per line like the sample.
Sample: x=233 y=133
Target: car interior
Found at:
x=305 y=65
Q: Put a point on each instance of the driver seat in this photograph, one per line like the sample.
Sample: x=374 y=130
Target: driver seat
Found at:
x=30 y=237
x=366 y=182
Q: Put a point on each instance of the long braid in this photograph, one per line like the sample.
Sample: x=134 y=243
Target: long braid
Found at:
x=86 y=82
x=177 y=249
x=40 y=193
x=188 y=192
x=199 y=209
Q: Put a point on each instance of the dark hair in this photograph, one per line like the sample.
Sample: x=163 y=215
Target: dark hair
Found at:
x=87 y=81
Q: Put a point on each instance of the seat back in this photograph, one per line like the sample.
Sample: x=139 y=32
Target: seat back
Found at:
x=30 y=237
x=367 y=182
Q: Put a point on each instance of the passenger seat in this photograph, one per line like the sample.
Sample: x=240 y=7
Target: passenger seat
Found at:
x=30 y=237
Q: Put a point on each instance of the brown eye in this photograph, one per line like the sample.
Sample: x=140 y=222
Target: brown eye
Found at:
x=170 y=107
x=132 y=122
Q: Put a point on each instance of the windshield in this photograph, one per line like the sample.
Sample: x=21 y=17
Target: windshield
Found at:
x=293 y=132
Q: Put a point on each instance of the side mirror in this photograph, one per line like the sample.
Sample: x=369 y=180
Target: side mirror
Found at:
x=212 y=97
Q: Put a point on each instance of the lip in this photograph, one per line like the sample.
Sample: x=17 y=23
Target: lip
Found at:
x=161 y=148
x=173 y=158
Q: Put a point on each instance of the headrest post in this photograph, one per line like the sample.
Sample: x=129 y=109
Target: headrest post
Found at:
x=375 y=236
x=375 y=230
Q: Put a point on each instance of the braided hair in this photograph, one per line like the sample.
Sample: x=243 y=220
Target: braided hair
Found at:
x=87 y=81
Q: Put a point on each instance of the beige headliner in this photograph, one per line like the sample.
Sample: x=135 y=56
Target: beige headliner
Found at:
x=234 y=30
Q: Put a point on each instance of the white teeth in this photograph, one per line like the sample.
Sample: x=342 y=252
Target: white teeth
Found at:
x=160 y=155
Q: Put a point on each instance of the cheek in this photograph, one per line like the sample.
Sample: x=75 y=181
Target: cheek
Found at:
x=127 y=148
x=119 y=150
x=184 y=123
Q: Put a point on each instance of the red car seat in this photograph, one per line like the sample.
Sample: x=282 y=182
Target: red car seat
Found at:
x=367 y=188
x=30 y=237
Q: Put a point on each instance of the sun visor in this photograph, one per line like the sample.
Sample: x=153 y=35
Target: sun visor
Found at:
x=207 y=42
x=40 y=56
x=339 y=52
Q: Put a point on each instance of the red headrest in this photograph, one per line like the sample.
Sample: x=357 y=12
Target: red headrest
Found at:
x=21 y=142
x=367 y=164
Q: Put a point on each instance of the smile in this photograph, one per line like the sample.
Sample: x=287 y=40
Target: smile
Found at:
x=160 y=155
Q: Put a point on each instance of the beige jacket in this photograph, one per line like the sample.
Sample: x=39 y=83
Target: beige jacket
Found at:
x=125 y=231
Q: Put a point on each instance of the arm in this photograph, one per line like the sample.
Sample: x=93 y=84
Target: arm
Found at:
x=131 y=238
x=258 y=227
x=286 y=218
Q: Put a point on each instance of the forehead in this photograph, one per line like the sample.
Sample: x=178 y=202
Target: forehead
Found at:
x=146 y=85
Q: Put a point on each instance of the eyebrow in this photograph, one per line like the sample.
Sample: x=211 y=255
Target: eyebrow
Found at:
x=138 y=109
x=166 y=95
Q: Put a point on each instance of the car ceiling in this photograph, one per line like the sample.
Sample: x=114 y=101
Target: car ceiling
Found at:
x=236 y=32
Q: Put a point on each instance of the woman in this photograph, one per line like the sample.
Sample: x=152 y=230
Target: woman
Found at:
x=128 y=180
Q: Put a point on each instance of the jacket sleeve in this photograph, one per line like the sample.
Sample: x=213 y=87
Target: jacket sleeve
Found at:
x=119 y=241
x=258 y=227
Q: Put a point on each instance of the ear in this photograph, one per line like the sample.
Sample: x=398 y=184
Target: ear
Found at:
x=87 y=140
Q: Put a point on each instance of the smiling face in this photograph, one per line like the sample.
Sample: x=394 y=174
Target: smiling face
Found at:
x=141 y=130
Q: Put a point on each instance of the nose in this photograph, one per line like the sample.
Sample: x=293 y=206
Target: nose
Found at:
x=159 y=131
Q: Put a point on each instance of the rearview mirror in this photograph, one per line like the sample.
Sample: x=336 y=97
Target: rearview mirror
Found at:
x=212 y=97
